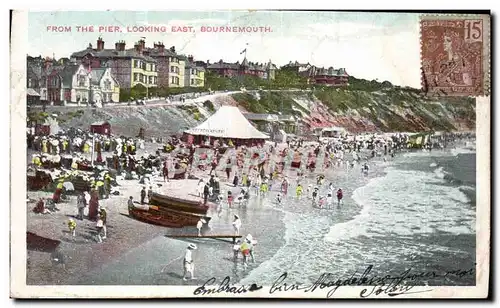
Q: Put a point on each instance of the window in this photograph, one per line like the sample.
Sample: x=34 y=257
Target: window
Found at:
x=136 y=76
x=193 y=71
x=172 y=69
x=107 y=85
x=175 y=80
x=192 y=81
x=78 y=98
x=81 y=80
x=150 y=81
x=136 y=63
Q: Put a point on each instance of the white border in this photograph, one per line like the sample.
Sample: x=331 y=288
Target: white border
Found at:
x=18 y=213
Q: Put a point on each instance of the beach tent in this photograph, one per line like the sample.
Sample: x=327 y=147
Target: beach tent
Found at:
x=228 y=123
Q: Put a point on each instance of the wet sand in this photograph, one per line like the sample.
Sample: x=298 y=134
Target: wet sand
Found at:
x=136 y=252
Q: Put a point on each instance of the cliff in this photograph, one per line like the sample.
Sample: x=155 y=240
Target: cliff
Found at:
x=387 y=109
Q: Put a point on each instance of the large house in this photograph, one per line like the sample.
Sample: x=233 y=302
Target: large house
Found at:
x=168 y=65
x=319 y=75
x=130 y=67
x=37 y=71
x=194 y=75
x=74 y=83
x=245 y=68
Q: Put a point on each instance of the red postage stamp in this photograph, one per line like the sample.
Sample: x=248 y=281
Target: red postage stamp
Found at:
x=455 y=54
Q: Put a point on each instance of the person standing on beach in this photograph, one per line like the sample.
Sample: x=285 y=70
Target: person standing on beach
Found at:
x=143 y=194
x=237 y=224
x=80 y=203
x=72 y=226
x=278 y=198
x=206 y=192
x=229 y=198
x=103 y=216
x=188 y=262
x=130 y=203
x=340 y=195
x=93 y=204
x=228 y=168
x=284 y=186
x=298 y=191
x=199 y=225
x=200 y=187
x=150 y=193
x=165 y=171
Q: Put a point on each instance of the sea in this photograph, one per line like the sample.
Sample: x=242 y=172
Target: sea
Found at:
x=411 y=216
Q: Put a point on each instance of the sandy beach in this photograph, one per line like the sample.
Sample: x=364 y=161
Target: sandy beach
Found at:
x=87 y=260
x=289 y=235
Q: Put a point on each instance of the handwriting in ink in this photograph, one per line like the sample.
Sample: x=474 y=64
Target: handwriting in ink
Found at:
x=224 y=287
x=388 y=285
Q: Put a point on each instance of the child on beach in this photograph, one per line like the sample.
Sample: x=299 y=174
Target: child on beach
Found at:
x=237 y=224
x=200 y=187
x=321 y=202
x=278 y=198
x=72 y=226
x=236 y=249
x=315 y=193
x=229 y=198
x=340 y=195
x=199 y=225
x=298 y=191
x=284 y=186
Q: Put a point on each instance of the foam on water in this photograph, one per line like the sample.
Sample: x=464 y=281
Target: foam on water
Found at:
x=407 y=202
x=467 y=150
x=390 y=214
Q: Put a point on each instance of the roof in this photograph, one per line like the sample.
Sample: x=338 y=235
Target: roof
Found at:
x=193 y=65
x=236 y=66
x=112 y=53
x=227 y=122
x=31 y=92
x=68 y=72
x=331 y=72
x=96 y=74
x=156 y=52
x=34 y=71
x=100 y=123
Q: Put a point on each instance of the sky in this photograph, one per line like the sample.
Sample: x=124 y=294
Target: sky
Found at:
x=369 y=45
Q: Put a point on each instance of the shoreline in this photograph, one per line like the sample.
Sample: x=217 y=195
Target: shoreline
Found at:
x=128 y=237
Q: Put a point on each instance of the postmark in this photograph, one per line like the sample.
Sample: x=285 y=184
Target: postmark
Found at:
x=455 y=53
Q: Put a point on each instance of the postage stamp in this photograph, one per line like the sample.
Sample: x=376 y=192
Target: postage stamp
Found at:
x=456 y=54
x=268 y=154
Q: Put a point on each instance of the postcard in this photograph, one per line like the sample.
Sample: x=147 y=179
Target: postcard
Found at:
x=252 y=154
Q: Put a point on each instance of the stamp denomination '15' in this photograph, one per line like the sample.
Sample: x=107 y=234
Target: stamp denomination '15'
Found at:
x=453 y=56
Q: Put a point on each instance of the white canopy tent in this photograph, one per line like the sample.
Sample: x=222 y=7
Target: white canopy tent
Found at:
x=227 y=122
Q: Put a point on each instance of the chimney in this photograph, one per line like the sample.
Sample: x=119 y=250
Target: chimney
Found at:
x=190 y=58
x=100 y=44
x=142 y=43
x=172 y=49
x=208 y=62
x=138 y=48
x=120 y=46
x=161 y=47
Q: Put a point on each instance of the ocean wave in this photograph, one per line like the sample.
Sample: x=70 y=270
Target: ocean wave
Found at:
x=406 y=202
x=353 y=228
x=440 y=173
x=467 y=150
